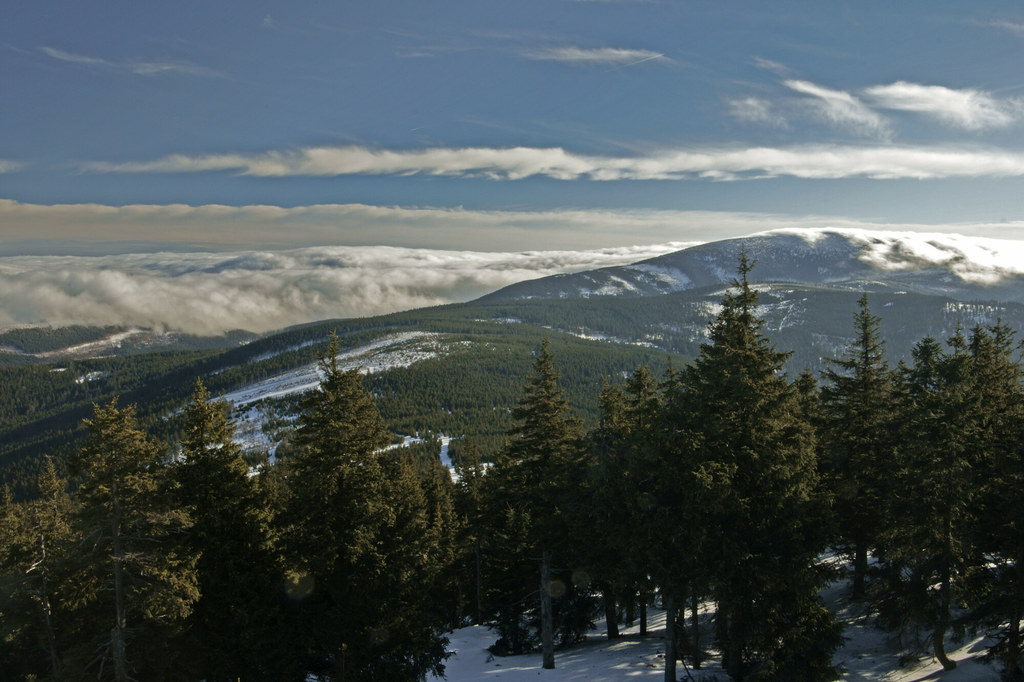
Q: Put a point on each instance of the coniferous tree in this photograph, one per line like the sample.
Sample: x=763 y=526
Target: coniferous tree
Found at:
x=469 y=505
x=995 y=589
x=235 y=627
x=534 y=492
x=606 y=548
x=933 y=505
x=961 y=414
x=858 y=438
x=35 y=538
x=746 y=439
x=134 y=581
x=359 y=537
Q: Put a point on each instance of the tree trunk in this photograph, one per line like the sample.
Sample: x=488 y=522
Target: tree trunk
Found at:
x=479 y=586
x=610 y=615
x=939 y=636
x=695 y=615
x=860 y=565
x=643 y=612
x=51 y=639
x=670 y=640
x=547 y=634
x=117 y=636
x=1011 y=656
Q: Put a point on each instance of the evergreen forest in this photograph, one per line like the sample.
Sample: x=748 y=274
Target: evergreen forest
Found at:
x=153 y=550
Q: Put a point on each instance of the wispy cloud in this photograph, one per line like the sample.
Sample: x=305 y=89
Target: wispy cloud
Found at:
x=260 y=291
x=138 y=67
x=515 y=163
x=601 y=56
x=968 y=108
x=757 y=110
x=1015 y=27
x=842 y=109
x=10 y=166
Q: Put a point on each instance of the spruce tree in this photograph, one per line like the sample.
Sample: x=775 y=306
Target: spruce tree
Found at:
x=134 y=581
x=933 y=506
x=35 y=540
x=745 y=438
x=235 y=627
x=995 y=589
x=359 y=538
x=534 y=492
x=858 y=432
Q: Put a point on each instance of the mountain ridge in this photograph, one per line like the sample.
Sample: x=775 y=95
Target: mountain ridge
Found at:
x=965 y=268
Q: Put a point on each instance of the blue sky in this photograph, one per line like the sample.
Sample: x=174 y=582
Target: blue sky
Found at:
x=502 y=126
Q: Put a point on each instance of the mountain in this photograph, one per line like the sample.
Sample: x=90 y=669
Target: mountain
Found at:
x=958 y=267
x=458 y=369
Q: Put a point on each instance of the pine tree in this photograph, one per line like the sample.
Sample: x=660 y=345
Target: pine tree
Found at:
x=744 y=438
x=134 y=583
x=858 y=426
x=359 y=536
x=236 y=624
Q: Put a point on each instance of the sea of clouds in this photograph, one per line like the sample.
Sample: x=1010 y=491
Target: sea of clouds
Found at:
x=210 y=293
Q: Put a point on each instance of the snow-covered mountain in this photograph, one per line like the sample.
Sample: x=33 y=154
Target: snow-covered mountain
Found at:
x=956 y=266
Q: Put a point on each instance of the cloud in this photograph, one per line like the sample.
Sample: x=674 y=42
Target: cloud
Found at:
x=778 y=69
x=98 y=228
x=516 y=163
x=969 y=108
x=9 y=166
x=138 y=67
x=757 y=110
x=1015 y=27
x=602 y=56
x=842 y=109
x=209 y=293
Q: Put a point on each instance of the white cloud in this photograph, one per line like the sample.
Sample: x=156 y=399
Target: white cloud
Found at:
x=757 y=110
x=969 y=108
x=603 y=56
x=1014 y=27
x=9 y=166
x=138 y=67
x=514 y=163
x=210 y=293
x=842 y=109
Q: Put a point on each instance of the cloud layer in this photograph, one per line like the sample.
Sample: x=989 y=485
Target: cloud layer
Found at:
x=516 y=163
x=260 y=291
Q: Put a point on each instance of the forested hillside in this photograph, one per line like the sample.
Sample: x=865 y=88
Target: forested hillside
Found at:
x=712 y=487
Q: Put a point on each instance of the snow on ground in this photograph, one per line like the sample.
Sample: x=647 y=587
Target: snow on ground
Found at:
x=394 y=350
x=596 y=659
x=869 y=654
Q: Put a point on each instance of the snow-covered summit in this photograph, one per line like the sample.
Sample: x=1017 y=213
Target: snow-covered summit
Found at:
x=954 y=265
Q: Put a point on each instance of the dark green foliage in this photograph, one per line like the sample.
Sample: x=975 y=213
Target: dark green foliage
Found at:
x=35 y=540
x=236 y=628
x=366 y=536
x=749 y=443
x=858 y=432
x=534 y=500
x=133 y=583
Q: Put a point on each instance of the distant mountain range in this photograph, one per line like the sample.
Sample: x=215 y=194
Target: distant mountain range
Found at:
x=961 y=268
x=473 y=358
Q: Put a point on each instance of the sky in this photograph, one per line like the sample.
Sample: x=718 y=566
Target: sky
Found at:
x=132 y=127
